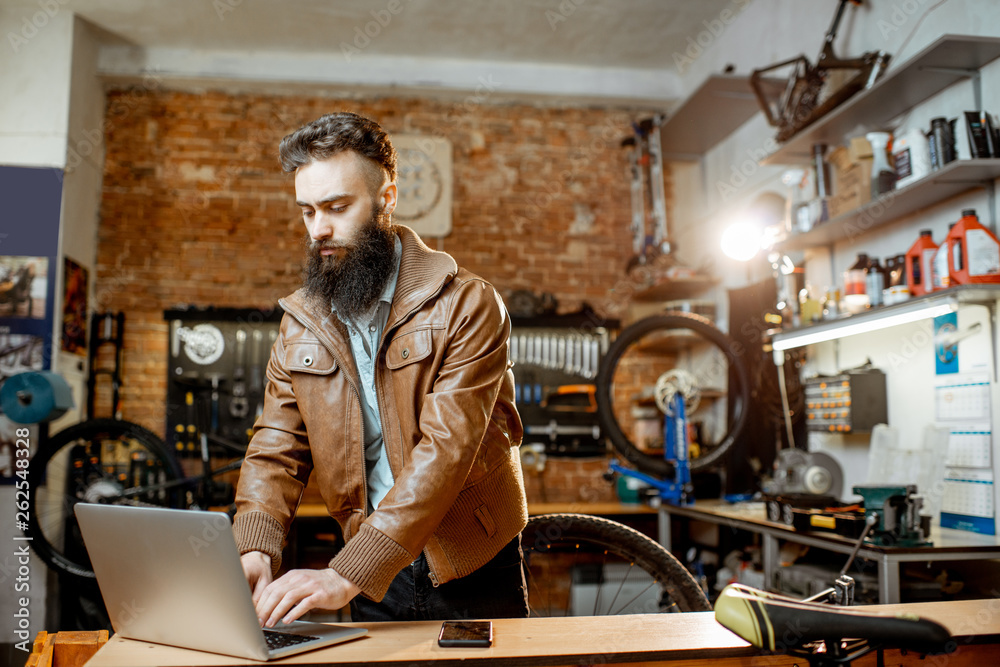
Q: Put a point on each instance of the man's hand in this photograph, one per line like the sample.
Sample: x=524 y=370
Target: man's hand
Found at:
x=257 y=568
x=288 y=597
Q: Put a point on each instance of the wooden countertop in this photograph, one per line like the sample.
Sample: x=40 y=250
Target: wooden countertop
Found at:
x=521 y=642
x=677 y=639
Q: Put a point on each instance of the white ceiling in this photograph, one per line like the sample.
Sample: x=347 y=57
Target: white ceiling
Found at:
x=620 y=43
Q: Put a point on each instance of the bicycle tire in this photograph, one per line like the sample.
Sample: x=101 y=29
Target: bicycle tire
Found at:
x=67 y=470
x=703 y=327
x=547 y=533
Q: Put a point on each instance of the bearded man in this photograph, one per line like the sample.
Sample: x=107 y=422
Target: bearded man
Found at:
x=390 y=379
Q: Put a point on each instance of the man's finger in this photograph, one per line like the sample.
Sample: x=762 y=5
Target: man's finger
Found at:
x=298 y=610
x=268 y=600
x=258 y=588
x=285 y=604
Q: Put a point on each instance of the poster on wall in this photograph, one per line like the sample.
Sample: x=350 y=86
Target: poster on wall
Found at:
x=74 y=321
x=29 y=243
x=23 y=287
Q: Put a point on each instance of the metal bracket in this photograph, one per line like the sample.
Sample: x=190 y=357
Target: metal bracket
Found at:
x=977 y=80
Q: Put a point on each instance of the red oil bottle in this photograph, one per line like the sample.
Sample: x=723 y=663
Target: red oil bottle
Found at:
x=975 y=252
x=919 y=260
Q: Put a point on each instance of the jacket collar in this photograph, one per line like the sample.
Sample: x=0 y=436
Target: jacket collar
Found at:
x=423 y=272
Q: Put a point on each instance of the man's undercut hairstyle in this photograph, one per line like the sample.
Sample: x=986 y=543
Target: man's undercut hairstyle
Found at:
x=338 y=132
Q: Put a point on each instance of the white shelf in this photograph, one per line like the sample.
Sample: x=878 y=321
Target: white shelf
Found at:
x=912 y=310
x=715 y=110
x=953 y=179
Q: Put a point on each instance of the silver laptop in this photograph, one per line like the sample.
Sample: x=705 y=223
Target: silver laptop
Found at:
x=174 y=577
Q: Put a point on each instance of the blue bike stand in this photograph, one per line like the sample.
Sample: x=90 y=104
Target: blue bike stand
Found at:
x=679 y=491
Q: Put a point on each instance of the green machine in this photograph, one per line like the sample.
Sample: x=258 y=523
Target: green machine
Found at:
x=892 y=515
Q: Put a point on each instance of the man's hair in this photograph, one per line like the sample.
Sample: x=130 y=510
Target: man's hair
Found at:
x=335 y=133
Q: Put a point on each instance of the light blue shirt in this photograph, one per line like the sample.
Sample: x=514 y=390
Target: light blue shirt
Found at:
x=365 y=335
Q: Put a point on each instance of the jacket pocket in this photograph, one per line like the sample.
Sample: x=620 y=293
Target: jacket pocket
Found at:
x=408 y=348
x=309 y=357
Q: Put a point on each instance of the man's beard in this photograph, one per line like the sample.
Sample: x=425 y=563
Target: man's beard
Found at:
x=353 y=281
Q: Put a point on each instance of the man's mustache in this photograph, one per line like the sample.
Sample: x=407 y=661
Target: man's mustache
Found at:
x=316 y=246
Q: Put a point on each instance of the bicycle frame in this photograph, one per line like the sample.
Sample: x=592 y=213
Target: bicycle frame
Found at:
x=679 y=490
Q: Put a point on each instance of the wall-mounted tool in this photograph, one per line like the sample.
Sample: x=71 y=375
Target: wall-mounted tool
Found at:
x=239 y=406
x=852 y=401
x=649 y=226
x=560 y=350
x=256 y=374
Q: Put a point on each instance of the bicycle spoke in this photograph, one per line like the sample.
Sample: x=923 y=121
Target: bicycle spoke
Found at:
x=572 y=568
x=587 y=553
x=637 y=596
x=621 y=585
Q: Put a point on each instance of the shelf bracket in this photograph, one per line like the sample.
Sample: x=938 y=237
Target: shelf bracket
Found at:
x=991 y=203
x=977 y=81
x=992 y=308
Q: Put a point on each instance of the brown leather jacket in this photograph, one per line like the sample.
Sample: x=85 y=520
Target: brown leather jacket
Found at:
x=446 y=398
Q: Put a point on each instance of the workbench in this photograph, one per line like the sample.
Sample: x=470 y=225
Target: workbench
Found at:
x=667 y=639
x=948 y=544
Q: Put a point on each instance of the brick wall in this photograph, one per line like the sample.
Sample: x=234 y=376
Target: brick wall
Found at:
x=196 y=211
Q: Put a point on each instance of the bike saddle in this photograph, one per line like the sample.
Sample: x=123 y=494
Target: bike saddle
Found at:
x=779 y=623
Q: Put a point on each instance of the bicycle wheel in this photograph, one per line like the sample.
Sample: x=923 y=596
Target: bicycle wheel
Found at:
x=96 y=461
x=582 y=565
x=645 y=351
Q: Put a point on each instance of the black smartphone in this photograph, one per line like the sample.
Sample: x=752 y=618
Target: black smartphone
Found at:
x=466 y=634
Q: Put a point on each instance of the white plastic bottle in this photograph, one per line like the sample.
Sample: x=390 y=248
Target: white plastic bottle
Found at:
x=883 y=175
x=911 y=156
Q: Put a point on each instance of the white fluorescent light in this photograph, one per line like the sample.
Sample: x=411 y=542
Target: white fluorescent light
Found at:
x=867 y=322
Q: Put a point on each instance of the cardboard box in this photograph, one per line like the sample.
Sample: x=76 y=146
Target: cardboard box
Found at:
x=851 y=177
x=847 y=200
x=838 y=158
x=857 y=174
x=859 y=148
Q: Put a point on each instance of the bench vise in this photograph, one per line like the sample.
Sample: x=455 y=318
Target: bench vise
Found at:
x=896 y=511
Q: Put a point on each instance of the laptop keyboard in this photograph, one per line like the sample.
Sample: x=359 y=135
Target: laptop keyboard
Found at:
x=276 y=640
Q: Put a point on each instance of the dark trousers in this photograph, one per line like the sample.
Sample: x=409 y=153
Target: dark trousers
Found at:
x=496 y=590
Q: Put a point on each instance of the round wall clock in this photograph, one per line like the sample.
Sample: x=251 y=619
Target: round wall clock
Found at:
x=423 y=180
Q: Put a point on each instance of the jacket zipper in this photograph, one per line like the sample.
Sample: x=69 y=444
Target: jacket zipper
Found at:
x=302 y=317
